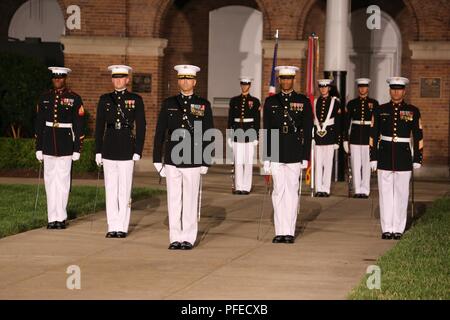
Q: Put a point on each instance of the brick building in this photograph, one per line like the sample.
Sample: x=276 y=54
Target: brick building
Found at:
x=154 y=35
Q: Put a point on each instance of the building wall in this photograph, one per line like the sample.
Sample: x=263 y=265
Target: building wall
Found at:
x=186 y=29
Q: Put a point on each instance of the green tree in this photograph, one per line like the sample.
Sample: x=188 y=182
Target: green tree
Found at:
x=22 y=80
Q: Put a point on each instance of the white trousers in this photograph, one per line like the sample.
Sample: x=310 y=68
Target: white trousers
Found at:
x=118 y=182
x=360 y=162
x=393 y=187
x=182 y=202
x=285 y=196
x=57 y=186
x=323 y=167
x=243 y=165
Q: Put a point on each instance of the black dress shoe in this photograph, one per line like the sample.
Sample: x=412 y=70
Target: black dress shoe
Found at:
x=175 y=245
x=278 y=239
x=397 y=236
x=111 y=234
x=186 y=245
x=386 y=236
x=121 y=234
x=318 y=194
x=60 y=225
x=326 y=195
x=245 y=192
x=364 y=196
x=289 y=239
x=236 y=192
x=51 y=225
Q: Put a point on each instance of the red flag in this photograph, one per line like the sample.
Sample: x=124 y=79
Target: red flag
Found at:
x=311 y=70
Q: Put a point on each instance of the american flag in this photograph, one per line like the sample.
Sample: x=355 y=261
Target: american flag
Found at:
x=272 y=85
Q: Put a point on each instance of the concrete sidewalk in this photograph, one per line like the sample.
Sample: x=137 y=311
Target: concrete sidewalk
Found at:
x=337 y=239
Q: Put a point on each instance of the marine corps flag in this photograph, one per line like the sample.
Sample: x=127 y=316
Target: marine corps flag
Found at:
x=311 y=70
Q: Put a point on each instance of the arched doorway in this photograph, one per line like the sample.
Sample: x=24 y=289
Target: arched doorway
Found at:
x=375 y=54
x=235 y=35
x=35 y=30
x=38 y=19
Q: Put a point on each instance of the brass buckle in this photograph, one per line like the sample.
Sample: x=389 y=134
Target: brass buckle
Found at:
x=55 y=124
x=285 y=129
x=117 y=125
x=395 y=139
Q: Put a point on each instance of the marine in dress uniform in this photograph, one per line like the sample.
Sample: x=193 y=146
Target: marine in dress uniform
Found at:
x=179 y=122
x=118 y=146
x=290 y=113
x=244 y=118
x=59 y=139
x=358 y=119
x=395 y=155
x=327 y=132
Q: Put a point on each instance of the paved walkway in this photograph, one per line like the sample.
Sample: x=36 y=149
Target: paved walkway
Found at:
x=337 y=239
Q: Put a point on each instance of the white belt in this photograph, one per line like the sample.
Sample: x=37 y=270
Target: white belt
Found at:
x=326 y=123
x=243 y=120
x=58 y=124
x=365 y=123
x=395 y=139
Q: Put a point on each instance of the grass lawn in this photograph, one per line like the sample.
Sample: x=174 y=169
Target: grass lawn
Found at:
x=418 y=267
x=17 y=205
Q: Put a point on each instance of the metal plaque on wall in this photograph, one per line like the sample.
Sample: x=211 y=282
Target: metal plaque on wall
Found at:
x=142 y=82
x=430 y=87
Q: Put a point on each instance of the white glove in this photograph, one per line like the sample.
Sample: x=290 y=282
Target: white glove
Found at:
x=75 y=156
x=266 y=167
x=345 y=145
x=255 y=142
x=160 y=169
x=39 y=155
x=373 y=165
x=98 y=159
x=304 y=164
x=416 y=165
x=230 y=144
x=203 y=170
x=136 y=157
x=336 y=146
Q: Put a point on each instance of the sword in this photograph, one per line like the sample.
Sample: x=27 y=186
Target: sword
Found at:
x=268 y=189
x=412 y=193
x=300 y=191
x=199 y=199
x=350 y=174
x=96 y=195
x=37 y=190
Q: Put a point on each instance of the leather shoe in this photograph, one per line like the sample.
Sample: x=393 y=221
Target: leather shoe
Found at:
x=60 y=225
x=289 y=239
x=386 y=236
x=111 y=234
x=186 y=245
x=364 y=196
x=175 y=245
x=121 y=234
x=245 y=192
x=237 y=191
x=325 y=194
x=318 y=194
x=397 y=236
x=51 y=225
x=356 y=196
x=278 y=239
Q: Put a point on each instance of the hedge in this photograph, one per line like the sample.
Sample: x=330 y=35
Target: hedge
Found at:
x=21 y=154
